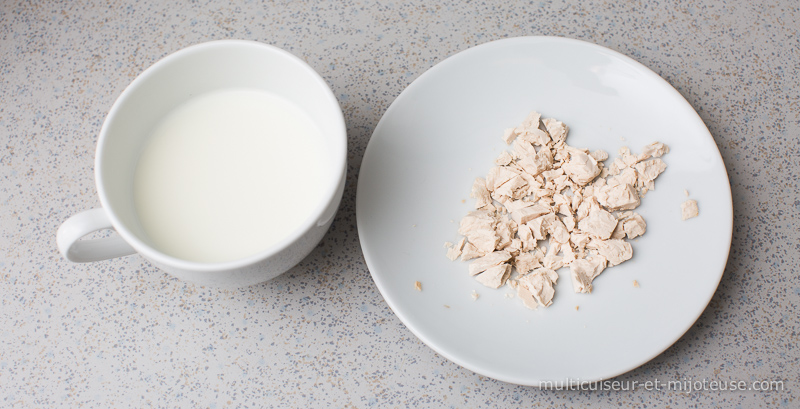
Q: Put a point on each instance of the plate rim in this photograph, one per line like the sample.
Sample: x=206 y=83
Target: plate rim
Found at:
x=536 y=39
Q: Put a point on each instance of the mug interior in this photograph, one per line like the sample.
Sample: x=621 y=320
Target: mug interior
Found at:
x=186 y=74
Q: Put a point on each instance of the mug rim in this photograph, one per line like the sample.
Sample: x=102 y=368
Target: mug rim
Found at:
x=338 y=165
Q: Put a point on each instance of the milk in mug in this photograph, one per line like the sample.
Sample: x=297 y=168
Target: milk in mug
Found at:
x=228 y=174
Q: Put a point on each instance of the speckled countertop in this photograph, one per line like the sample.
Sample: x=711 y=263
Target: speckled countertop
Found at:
x=122 y=334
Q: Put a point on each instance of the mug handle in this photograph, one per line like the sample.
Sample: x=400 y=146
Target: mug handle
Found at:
x=84 y=251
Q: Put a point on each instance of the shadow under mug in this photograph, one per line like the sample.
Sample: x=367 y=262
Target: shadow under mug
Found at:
x=173 y=80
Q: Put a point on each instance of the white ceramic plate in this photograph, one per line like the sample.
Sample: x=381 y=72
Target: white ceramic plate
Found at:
x=445 y=129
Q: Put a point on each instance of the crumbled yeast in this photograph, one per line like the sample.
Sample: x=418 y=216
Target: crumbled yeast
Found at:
x=544 y=189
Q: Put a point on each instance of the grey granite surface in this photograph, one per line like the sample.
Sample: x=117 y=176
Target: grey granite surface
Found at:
x=121 y=333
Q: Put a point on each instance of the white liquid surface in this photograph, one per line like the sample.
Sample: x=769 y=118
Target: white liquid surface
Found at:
x=228 y=174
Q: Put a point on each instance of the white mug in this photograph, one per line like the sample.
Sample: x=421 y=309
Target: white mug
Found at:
x=168 y=83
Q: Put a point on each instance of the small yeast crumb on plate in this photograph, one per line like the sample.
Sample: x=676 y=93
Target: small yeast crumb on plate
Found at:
x=689 y=209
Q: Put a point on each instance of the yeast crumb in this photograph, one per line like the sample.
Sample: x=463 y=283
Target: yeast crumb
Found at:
x=689 y=209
